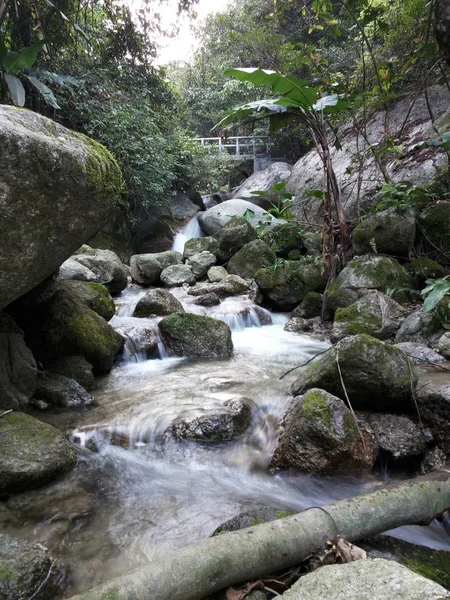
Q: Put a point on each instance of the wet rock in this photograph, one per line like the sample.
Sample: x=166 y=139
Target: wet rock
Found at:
x=434 y=228
x=297 y=325
x=72 y=269
x=387 y=231
x=229 y=286
x=200 y=263
x=74 y=367
x=94 y=295
x=146 y=268
x=202 y=244
x=319 y=435
x=233 y=236
x=213 y=220
x=263 y=181
x=288 y=283
x=309 y=307
x=226 y=423
x=18 y=370
x=210 y=299
x=420 y=328
x=374 y=314
x=284 y=238
x=177 y=275
x=250 y=258
x=420 y=354
x=216 y=274
x=443 y=345
x=263 y=315
x=377 y=376
x=424 y=268
x=28 y=570
x=59 y=390
x=32 y=452
x=74 y=183
x=140 y=343
x=106 y=266
x=369 y=272
x=434 y=408
x=157 y=302
x=434 y=459
x=196 y=336
x=371 y=579
x=397 y=435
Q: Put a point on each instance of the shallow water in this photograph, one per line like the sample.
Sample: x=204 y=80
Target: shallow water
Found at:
x=125 y=502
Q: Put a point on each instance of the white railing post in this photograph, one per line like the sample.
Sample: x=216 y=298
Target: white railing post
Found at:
x=238 y=152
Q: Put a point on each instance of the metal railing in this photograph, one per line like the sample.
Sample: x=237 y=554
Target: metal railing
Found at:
x=239 y=147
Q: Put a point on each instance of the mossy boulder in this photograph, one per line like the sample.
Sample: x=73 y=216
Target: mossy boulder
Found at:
x=216 y=274
x=196 y=336
x=312 y=241
x=177 y=275
x=376 y=375
x=309 y=307
x=73 y=182
x=200 y=263
x=159 y=303
x=434 y=228
x=231 y=285
x=74 y=367
x=104 y=264
x=202 y=244
x=283 y=238
x=386 y=232
x=374 y=314
x=234 y=234
x=146 y=268
x=424 y=268
x=250 y=258
x=28 y=570
x=18 y=370
x=421 y=328
x=369 y=272
x=94 y=295
x=320 y=435
x=32 y=452
x=286 y=284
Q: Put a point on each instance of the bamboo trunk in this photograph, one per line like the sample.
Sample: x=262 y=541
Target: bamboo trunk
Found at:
x=216 y=563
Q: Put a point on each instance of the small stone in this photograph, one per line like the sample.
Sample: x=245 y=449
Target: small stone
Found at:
x=210 y=299
x=159 y=303
x=176 y=275
x=200 y=263
x=216 y=274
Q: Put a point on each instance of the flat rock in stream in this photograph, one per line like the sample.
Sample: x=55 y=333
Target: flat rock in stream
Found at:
x=231 y=285
x=420 y=354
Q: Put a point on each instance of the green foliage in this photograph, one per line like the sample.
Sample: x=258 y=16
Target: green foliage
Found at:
x=208 y=172
x=405 y=195
x=436 y=290
x=280 y=200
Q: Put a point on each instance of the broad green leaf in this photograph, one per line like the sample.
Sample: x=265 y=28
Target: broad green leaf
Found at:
x=279 y=187
x=16 y=89
x=249 y=214
x=315 y=194
x=433 y=299
x=45 y=91
x=15 y=62
x=249 y=110
x=54 y=77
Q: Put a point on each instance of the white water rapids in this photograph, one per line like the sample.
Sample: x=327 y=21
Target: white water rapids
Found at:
x=124 y=502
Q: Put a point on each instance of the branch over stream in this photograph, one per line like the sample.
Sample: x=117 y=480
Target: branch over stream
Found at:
x=195 y=571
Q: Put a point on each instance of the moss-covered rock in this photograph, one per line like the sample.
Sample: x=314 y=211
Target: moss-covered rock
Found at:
x=387 y=232
x=309 y=307
x=203 y=244
x=32 y=452
x=286 y=284
x=377 y=376
x=369 y=272
x=59 y=390
x=320 y=435
x=94 y=295
x=312 y=241
x=283 y=238
x=105 y=265
x=374 y=314
x=28 y=570
x=433 y=233
x=234 y=234
x=159 y=303
x=193 y=335
x=200 y=263
x=424 y=268
x=74 y=367
x=250 y=258
x=146 y=268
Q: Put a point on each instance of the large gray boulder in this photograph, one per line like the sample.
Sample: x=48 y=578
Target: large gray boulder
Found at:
x=396 y=435
x=216 y=274
x=177 y=275
x=28 y=570
x=319 y=435
x=202 y=244
x=250 y=258
x=69 y=180
x=147 y=268
x=421 y=328
x=216 y=217
x=32 y=452
x=159 y=303
x=234 y=234
x=18 y=370
x=231 y=285
x=192 y=335
x=420 y=354
x=377 y=376
x=94 y=295
x=369 y=272
x=434 y=408
x=106 y=266
x=263 y=181
x=59 y=390
x=387 y=232
x=372 y=579
x=200 y=263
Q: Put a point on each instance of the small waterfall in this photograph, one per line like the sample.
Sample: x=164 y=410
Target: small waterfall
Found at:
x=189 y=231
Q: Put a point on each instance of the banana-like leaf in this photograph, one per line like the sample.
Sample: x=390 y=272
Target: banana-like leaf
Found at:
x=249 y=110
x=290 y=87
x=45 y=91
x=13 y=62
x=331 y=104
x=53 y=77
x=15 y=89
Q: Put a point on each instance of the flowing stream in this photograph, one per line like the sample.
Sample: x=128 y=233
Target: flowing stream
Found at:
x=136 y=488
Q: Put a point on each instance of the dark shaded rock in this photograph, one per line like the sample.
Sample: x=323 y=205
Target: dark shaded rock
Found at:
x=202 y=244
x=32 y=452
x=210 y=299
x=443 y=345
x=312 y=241
x=234 y=234
x=309 y=307
x=434 y=228
x=146 y=268
x=193 y=335
x=74 y=367
x=434 y=408
x=177 y=275
x=387 y=231
x=106 y=266
x=141 y=343
x=284 y=238
x=59 y=390
x=157 y=302
x=250 y=258
x=397 y=435
x=421 y=328
x=18 y=370
x=377 y=376
x=424 y=268
x=94 y=295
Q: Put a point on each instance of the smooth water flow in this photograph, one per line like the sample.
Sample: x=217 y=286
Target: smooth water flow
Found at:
x=191 y=230
x=137 y=488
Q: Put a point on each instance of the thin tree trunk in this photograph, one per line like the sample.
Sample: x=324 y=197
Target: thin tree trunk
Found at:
x=3 y=8
x=216 y=563
x=442 y=27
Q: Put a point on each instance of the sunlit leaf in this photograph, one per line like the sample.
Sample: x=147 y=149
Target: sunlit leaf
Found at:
x=45 y=91
x=15 y=89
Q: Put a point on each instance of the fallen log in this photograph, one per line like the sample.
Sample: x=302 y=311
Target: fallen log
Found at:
x=196 y=571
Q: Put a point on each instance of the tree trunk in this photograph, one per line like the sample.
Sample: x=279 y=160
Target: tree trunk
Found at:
x=216 y=563
x=442 y=27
